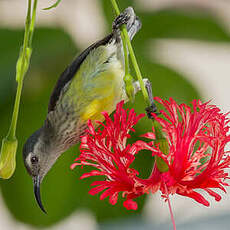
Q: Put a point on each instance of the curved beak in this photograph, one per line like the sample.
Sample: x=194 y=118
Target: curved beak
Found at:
x=37 y=194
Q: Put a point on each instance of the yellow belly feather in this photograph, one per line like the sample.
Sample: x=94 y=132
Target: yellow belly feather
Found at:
x=97 y=85
x=106 y=98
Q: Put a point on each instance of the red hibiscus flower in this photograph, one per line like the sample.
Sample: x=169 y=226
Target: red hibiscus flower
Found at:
x=107 y=151
x=196 y=159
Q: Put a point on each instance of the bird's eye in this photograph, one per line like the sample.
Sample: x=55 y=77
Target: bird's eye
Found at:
x=34 y=159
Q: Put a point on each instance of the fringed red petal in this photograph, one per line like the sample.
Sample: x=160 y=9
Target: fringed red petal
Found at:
x=106 y=150
x=196 y=138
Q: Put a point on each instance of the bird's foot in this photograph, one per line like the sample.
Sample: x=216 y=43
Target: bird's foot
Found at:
x=127 y=17
x=152 y=108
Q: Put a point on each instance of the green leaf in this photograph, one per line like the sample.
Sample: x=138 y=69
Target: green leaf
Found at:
x=53 y=6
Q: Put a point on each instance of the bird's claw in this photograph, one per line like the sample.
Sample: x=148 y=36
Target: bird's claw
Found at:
x=152 y=108
x=125 y=18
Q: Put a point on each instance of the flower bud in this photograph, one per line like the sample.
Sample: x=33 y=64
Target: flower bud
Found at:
x=8 y=158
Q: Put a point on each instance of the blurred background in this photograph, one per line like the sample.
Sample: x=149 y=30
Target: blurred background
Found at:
x=183 y=47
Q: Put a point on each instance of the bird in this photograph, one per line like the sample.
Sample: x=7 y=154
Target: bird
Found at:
x=91 y=84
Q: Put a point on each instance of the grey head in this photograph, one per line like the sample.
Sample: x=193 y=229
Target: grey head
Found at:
x=38 y=159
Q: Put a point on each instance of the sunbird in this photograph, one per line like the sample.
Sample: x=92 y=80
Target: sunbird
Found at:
x=92 y=83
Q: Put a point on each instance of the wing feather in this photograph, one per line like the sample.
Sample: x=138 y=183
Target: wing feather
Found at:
x=71 y=70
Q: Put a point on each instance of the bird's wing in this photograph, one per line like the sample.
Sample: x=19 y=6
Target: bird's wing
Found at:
x=71 y=70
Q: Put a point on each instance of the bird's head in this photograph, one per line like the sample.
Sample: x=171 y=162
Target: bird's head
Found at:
x=38 y=159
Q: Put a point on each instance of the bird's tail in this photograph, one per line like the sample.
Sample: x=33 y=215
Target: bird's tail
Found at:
x=132 y=22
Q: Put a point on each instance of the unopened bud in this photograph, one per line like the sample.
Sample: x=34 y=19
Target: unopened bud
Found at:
x=8 y=158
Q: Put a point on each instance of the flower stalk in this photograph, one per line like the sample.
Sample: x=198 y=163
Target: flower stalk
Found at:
x=170 y=209
x=53 y=6
x=129 y=88
x=126 y=43
x=9 y=143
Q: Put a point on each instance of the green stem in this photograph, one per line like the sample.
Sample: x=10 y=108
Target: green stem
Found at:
x=136 y=68
x=20 y=75
x=10 y=143
x=32 y=24
x=23 y=64
x=126 y=55
x=127 y=77
x=23 y=55
x=160 y=139
x=12 y=130
x=115 y=6
x=125 y=39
